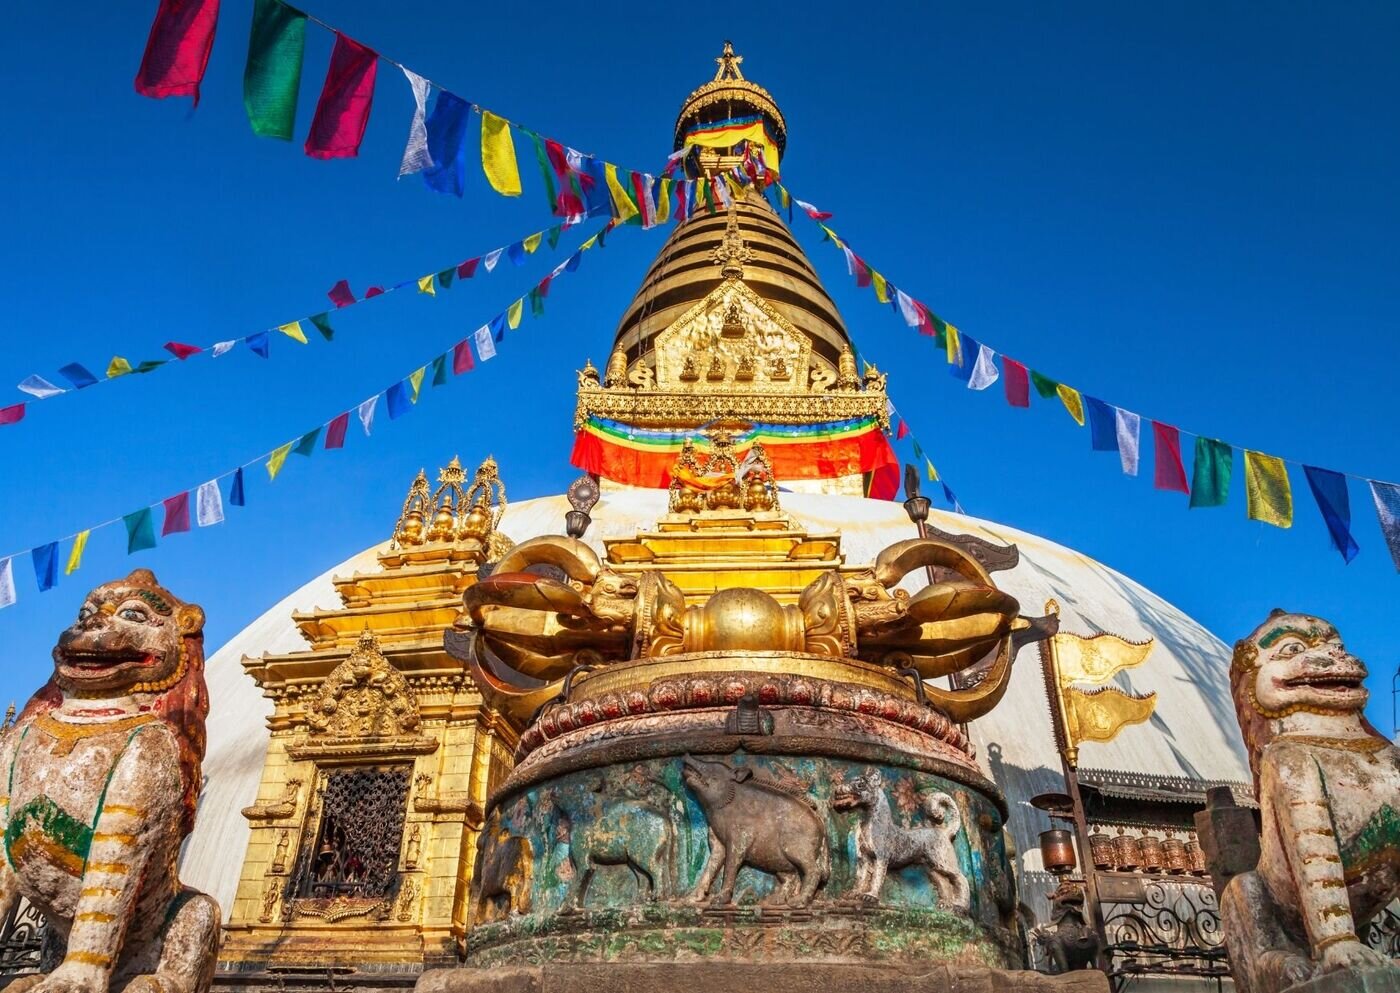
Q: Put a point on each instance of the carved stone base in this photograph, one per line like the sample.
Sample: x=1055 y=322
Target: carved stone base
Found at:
x=729 y=977
x=1366 y=981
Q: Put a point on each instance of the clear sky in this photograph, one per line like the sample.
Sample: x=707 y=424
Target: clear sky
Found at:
x=1185 y=209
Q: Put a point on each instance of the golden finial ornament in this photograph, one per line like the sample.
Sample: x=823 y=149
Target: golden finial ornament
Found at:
x=846 y=378
x=410 y=527
x=731 y=253
x=729 y=63
x=616 y=376
x=588 y=376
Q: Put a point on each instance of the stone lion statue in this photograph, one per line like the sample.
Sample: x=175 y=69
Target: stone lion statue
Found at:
x=103 y=771
x=1329 y=796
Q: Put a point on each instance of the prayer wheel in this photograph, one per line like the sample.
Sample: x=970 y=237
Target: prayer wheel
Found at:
x=1153 y=857
x=1175 y=857
x=1057 y=851
x=1127 y=852
x=1101 y=850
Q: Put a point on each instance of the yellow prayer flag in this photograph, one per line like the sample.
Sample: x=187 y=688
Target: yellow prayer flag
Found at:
x=514 y=313
x=425 y=285
x=736 y=188
x=1269 y=498
x=533 y=242
x=832 y=235
x=623 y=207
x=882 y=289
x=75 y=557
x=117 y=367
x=663 y=200
x=274 y=464
x=415 y=379
x=1098 y=715
x=953 y=343
x=588 y=244
x=1096 y=658
x=1073 y=402
x=293 y=331
x=498 y=155
x=932 y=472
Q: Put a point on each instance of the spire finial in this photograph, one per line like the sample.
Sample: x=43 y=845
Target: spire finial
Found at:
x=729 y=63
x=731 y=253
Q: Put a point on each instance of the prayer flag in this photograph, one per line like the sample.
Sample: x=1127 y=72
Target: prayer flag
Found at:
x=461 y=357
x=1018 y=387
x=812 y=212
x=514 y=312
x=984 y=370
x=930 y=470
x=546 y=173
x=75 y=554
x=1268 y=496
x=415 y=381
x=622 y=206
x=467 y=269
x=1210 y=473
x=902 y=431
x=533 y=242
x=1128 y=427
x=1387 y=498
x=366 y=413
x=38 y=386
x=275 y=462
x=45 y=559
x=180 y=350
x=554 y=234
x=335 y=430
x=259 y=343
x=374 y=291
x=516 y=253
x=397 y=398
x=235 y=490
x=77 y=375
x=425 y=285
x=1169 y=473
x=416 y=157
x=447 y=144
x=293 y=331
x=1045 y=386
x=498 y=327
x=952 y=499
x=306 y=444
x=491 y=258
x=964 y=359
x=118 y=367
x=7 y=582
x=272 y=74
x=208 y=504
x=177 y=50
x=485 y=347
x=908 y=308
x=1073 y=402
x=862 y=271
x=882 y=291
x=1329 y=489
x=323 y=325
x=12 y=414
x=1103 y=425
x=346 y=97
x=150 y=364
x=140 y=531
x=177 y=514
x=537 y=301
x=340 y=294
x=439 y=366
x=663 y=201
x=498 y=155
x=953 y=343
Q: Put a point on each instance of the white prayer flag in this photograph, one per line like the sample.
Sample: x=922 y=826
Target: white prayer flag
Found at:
x=907 y=309
x=38 y=386
x=1127 y=425
x=415 y=151
x=850 y=261
x=220 y=347
x=491 y=258
x=984 y=372
x=485 y=347
x=208 y=504
x=7 y=583
x=366 y=411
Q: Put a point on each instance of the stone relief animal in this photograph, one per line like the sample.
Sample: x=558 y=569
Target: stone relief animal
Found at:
x=629 y=833
x=103 y=767
x=882 y=845
x=756 y=823
x=1329 y=797
x=504 y=871
x=1068 y=940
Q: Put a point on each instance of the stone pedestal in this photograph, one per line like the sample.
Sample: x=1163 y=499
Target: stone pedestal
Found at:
x=1367 y=981
x=716 y=977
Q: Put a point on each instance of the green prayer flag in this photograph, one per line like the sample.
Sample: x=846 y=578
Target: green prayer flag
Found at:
x=1210 y=474
x=1045 y=386
x=307 y=443
x=536 y=303
x=440 y=370
x=323 y=325
x=445 y=277
x=545 y=171
x=553 y=236
x=918 y=452
x=150 y=364
x=272 y=74
x=140 y=530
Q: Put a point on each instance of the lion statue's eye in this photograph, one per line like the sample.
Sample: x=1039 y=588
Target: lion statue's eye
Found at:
x=132 y=614
x=1292 y=648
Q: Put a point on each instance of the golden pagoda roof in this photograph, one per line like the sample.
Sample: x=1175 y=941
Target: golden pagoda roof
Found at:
x=729 y=94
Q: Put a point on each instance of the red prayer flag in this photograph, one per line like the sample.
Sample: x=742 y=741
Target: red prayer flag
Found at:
x=1169 y=472
x=343 y=110
x=335 y=431
x=374 y=291
x=177 y=514
x=862 y=271
x=177 y=50
x=182 y=351
x=902 y=431
x=12 y=414
x=462 y=357
x=1018 y=384
x=340 y=294
x=467 y=269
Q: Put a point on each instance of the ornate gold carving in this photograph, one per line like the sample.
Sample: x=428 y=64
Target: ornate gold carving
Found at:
x=414 y=848
x=588 y=375
x=671 y=408
x=272 y=895
x=722 y=481
x=279 y=858
x=408 y=894
x=333 y=909
x=66 y=734
x=364 y=697
x=730 y=255
x=444 y=802
x=411 y=528
x=846 y=378
x=729 y=85
x=279 y=809
x=616 y=376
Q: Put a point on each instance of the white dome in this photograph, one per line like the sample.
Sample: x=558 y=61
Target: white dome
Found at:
x=1192 y=733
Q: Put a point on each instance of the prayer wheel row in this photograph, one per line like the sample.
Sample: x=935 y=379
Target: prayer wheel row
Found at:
x=1147 y=853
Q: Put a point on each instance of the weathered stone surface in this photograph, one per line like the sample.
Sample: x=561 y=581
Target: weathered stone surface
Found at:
x=716 y=977
x=1366 y=981
x=1229 y=837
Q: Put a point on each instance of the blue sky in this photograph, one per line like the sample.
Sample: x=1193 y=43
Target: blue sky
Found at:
x=1187 y=209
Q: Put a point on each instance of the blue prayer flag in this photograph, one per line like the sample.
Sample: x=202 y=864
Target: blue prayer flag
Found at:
x=595 y=187
x=1387 y=497
x=1103 y=424
x=258 y=343
x=447 y=133
x=235 y=491
x=952 y=498
x=140 y=531
x=573 y=262
x=498 y=327
x=398 y=399
x=77 y=375
x=46 y=565
x=1329 y=489
x=516 y=253
x=967 y=358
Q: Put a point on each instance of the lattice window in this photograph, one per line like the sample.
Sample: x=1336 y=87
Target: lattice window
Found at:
x=358 y=836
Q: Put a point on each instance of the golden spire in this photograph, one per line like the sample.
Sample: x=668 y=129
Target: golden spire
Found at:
x=410 y=527
x=731 y=253
x=728 y=63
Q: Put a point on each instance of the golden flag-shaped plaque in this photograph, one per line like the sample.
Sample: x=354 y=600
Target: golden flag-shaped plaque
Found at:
x=1098 y=715
x=1096 y=659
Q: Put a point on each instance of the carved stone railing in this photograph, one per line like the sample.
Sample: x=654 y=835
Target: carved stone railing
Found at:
x=21 y=938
